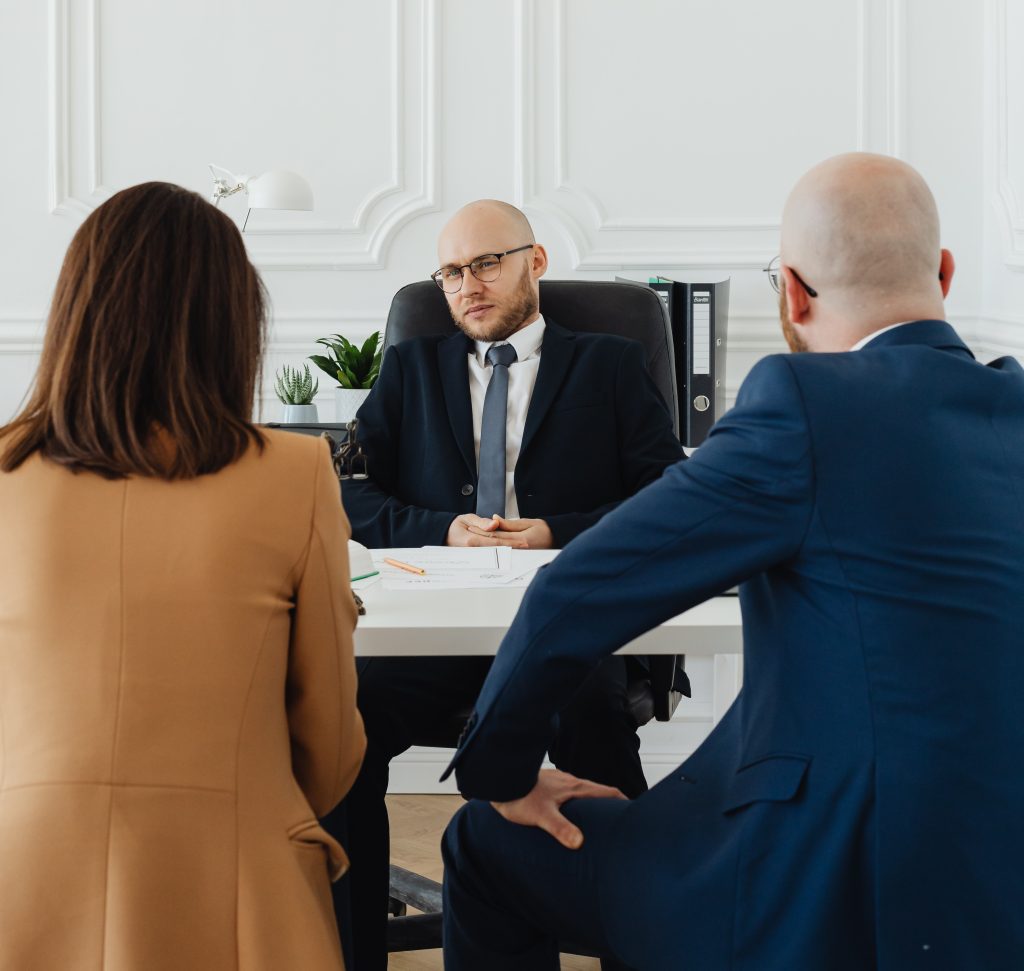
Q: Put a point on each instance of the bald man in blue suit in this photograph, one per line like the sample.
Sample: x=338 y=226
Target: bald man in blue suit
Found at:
x=861 y=805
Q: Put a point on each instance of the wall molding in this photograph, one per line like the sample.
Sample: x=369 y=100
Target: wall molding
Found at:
x=287 y=329
x=1007 y=198
x=895 y=112
x=749 y=332
x=578 y=210
x=21 y=334
x=999 y=334
x=289 y=333
x=370 y=243
x=75 y=170
x=398 y=153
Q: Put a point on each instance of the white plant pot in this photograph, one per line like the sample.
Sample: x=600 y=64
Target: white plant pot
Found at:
x=347 y=402
x=299 y=415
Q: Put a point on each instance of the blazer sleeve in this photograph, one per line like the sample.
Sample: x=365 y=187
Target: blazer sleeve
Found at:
x=327 y=738
x=741 y=505
x=379 y=518
x=647 y=443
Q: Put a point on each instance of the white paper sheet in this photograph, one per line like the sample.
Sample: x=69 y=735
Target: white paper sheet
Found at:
x=450 y=568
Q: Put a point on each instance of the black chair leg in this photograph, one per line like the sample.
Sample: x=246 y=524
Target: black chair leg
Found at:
x=420 y=932
x=396 y=907
x=414 y=932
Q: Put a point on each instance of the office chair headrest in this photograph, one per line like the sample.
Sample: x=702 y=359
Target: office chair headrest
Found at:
x=588 y=306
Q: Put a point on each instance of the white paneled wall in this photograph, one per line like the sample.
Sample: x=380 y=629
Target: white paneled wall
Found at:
x=650 y=135
x=1001 y=329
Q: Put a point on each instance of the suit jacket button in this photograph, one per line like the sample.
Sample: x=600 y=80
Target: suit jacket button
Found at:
x=467 y=489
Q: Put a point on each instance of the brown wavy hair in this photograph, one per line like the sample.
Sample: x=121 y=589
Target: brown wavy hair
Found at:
x=154 y=344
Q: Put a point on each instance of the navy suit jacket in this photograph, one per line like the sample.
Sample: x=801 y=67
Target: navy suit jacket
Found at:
x=862 y=803
x=596 y=432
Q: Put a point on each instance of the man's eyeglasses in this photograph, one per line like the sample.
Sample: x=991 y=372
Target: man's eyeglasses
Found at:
x=486 y=269
x=774 y=271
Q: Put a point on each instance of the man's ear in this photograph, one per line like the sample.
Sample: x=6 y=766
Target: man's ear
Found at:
x=539 y=264
x=798 y=302
x=946 y=269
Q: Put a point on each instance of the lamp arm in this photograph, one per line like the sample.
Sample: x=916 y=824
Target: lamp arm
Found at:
x=221 y=190
x=226 y=184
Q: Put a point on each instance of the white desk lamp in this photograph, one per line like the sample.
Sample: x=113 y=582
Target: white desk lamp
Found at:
x=271 y=190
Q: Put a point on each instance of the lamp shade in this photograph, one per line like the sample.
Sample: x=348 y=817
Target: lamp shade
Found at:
x=279 y=190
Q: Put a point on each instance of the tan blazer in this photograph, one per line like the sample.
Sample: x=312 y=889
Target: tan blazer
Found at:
x=177 y=707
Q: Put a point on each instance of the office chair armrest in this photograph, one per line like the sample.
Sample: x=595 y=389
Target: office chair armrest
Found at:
x=669 y=683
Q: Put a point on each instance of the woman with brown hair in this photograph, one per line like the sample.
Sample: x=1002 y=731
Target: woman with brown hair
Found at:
x=177 y=686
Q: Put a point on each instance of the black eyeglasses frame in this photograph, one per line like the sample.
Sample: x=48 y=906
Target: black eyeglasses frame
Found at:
x=436 y=275
x=773 y=277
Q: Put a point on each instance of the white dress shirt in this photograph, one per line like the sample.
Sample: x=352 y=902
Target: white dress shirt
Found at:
x=522 y=376
x=870 y=337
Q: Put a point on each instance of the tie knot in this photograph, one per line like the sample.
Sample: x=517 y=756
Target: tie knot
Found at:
x=501 y=355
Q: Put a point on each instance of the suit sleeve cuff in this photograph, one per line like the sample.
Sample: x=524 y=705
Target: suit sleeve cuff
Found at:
x=567 y=526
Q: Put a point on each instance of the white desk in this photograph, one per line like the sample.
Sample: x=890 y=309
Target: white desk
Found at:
x=463 y=622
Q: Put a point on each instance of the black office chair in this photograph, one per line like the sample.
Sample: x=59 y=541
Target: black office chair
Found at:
x=655 y=689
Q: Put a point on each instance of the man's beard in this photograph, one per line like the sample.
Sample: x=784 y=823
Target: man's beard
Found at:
x=793 y=339
x=522 y=305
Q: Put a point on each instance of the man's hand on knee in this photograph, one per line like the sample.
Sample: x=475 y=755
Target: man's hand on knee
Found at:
x=542 y=805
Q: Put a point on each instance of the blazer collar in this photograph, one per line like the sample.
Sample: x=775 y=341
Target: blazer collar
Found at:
x=452 y=354
x=932 y=333
x=555 y=357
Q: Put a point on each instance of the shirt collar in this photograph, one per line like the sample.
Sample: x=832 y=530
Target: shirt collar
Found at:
x=870 y=337
x=526 y=342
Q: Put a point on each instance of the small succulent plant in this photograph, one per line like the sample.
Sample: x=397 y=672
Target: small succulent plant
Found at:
x=350 y=365
x=296 y=387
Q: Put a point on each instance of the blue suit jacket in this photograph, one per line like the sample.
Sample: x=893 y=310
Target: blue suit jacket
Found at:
x=862 y=803
x=596 y=432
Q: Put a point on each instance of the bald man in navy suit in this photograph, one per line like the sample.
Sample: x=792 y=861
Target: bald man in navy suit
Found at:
x=861 y=804
x=584 y=428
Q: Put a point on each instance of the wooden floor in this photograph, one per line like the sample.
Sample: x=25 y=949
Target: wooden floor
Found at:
x=417 y=823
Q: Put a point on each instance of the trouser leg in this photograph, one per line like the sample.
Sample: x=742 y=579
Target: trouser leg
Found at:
x=398 y=698
x=511 y=892
x=360 y=823
x=597 y=737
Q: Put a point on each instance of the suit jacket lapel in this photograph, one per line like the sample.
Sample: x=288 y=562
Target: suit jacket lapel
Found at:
x=451 y=362
x=556 y=352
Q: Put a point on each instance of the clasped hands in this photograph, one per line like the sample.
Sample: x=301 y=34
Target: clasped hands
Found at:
x=522 y=534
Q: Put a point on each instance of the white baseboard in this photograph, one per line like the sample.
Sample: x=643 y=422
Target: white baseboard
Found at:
x=418 y=770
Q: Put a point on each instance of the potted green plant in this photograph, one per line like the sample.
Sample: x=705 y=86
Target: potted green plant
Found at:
x=296 y=390
x=355 y=368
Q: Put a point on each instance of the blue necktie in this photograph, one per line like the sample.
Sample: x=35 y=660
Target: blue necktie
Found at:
x=490 y=490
